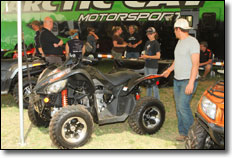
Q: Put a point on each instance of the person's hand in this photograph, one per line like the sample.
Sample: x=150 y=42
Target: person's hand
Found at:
x=129 y=45
x=134 y=46
x=92 y=33
x=55 y=45
x=189 y=89
x=166 y=73
x=125 y=44
x=144 y=56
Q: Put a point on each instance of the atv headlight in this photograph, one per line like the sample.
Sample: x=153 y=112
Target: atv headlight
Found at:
x=208 y=107
x=56 y=87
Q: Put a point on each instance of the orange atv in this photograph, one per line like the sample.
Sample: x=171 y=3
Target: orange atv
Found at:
x=207 y=132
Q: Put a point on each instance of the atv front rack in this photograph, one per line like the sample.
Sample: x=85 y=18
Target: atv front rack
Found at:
x=212 y=89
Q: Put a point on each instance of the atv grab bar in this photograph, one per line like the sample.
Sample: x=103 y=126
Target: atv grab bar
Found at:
x=153 y=76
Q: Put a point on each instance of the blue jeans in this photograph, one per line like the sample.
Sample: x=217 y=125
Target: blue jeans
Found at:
x=132 y=55
x=183 y=109
x=149 y=71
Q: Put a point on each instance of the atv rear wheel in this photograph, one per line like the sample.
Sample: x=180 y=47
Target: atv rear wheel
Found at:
x=71 y=127
x=26 y=91
x=148 y=116
x=196 y=137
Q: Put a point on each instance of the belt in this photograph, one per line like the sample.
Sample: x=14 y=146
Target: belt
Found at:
x=185 y=79
x=52 y=55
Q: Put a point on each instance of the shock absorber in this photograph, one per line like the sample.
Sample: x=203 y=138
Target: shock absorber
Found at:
x=137 y=96
x=64 y=95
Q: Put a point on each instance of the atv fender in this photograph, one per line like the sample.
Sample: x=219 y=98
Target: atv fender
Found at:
x=146 y=81
x=11 y=75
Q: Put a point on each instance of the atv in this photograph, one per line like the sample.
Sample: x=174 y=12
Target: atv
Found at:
x=9 y=77
x=138 y=66
x=207 y=132
x=73 y=96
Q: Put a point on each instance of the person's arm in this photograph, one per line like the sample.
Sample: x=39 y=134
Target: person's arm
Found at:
x=194 y=72
x=157 y=56
x=115 y=43
x=41 y=52
x=167 y=72
x=33 y=54
x=53 y=39
x=59 y=44
x=136 y=44
x=66 y=50
x=154 y=48
x=40 y=47
x=95 y=36
x=207 y=62
x=83 y=50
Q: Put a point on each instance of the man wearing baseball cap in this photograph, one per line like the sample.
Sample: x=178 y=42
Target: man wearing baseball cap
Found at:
x=37 y=28
x=185 y=66
x=151 y=56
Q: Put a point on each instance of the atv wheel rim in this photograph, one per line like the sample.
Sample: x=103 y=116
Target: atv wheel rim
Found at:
x=74 y=130
x=151 y=117
x=26 y=93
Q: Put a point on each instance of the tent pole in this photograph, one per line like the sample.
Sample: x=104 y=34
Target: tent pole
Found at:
x=20 y=81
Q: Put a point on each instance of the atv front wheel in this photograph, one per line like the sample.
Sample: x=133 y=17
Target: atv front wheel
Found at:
x=196 y=137
x=71 y=127
x=148 y=116
x=26 y=91
x=35 y=118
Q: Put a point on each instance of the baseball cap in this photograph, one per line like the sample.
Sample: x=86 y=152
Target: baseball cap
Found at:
x=151 y=30
x=35 y=23
x=182 y=23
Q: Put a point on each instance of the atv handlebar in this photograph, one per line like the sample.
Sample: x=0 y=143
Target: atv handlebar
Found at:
x=86 y=60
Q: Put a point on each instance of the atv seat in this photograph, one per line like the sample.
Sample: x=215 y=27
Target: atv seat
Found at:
x=120 y=77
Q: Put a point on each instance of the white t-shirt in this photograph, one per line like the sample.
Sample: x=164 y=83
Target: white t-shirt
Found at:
x=183 y=52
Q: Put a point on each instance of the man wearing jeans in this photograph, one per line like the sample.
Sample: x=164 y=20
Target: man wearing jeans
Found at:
x=185 y=66
x=133 y=40
x=151 y=56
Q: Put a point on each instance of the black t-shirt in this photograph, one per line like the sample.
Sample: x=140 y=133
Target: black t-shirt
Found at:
x=151 y=48
x=75 y=47
x=37 y=43
x=133 y=39
x=205 y=56
x=47 y=39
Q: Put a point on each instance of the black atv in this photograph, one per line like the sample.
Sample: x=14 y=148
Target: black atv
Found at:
x=74 y=95
x=9 y=77
x=138 y=66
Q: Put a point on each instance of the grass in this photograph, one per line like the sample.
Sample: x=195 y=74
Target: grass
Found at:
x=111 y=136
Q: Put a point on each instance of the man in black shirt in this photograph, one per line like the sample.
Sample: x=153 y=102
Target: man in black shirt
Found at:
x=36 y=27
x=133 y=41
x=51 y=45
x=205 y=58
x=151 y=56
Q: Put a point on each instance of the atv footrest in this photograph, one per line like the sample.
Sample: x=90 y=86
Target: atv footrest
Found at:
x=106 y=117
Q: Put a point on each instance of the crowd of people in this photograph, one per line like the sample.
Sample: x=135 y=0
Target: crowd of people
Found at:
x=188 y=53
